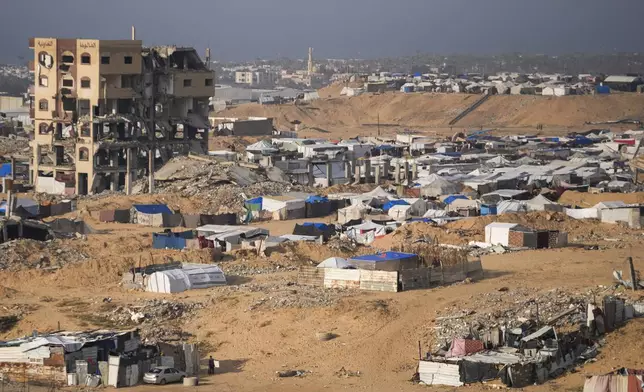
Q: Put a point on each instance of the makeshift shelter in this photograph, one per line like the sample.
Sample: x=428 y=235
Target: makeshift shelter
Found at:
x=378 y=193
x=315 y=230
x=202 y=276
x=392 y=203
x=365 y=233
x=150 y=214
x=435 y=185
x=334 y=262
x=511 y=207
x=418 y=206
x=284 y=209
x=435 y=214
x=386 y=261
x=318 y=206
x=400 y=212
x=120 y=216
x=451 y=198
x=170 y=240
x=498 y=233
x=539 y=203
x=351 y=213
x=167 y=282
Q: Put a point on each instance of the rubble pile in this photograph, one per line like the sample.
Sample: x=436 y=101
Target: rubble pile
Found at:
x=154 y=312
x=14 y=145
x=31 y=254
x=511 y=308
x=281 y=295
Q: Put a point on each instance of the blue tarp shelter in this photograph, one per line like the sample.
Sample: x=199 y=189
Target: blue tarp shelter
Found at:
x=254 y=204
x=317 y=199
x=450 y=199
x=320 y=226
x=392 y=203
x=386 y=261
x=582 y=141
x=152 y=208
x=5 y=170
x=171 y=240
x=488 y=209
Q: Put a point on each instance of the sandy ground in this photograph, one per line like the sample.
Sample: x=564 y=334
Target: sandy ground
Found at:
x=430 y=113
x=379 y=341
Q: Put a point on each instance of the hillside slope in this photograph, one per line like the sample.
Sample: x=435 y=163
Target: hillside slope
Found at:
x=436 y=110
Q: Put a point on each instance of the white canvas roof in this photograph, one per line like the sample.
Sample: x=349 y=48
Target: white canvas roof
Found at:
x=334 y=262
x=378 y=192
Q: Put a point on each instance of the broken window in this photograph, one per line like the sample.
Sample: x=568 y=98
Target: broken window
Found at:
x=84 y=108
x=67 y=58
x=187 y=82
x=85 y=82
x=83 y=154
x=105 y=60
x=43 y=128
x=69 y=104
x=43 y=81
x=85 y=130
x=46 y=60
x=68 y=82
x=127 y=81
x=127 y=59
x=208 y=82
x=86 y=58
x=43 y=105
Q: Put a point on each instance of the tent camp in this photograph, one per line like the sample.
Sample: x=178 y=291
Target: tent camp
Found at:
x=435 y=214
x=510 y=207
x=451 y=198
x=314 y=230
x=334 y=262
x=388 y=205
x=386 y=261
x=418 y=206
x=435 y=185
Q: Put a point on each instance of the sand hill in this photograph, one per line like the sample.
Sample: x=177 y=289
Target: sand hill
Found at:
x=434 y=111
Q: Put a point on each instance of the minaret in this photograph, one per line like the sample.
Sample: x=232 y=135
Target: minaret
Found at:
x=310 y=67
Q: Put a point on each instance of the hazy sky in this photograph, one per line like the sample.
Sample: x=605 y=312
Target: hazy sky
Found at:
x=246 y=29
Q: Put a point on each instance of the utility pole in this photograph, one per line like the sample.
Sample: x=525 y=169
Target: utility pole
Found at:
x=378 y=124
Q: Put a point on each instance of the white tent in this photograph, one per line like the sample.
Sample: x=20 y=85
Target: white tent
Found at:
x=378 y=192
x=202 y=276
x=418 y=206
x=539 y=203
x=262 y=146
x=498 y=161
x=498 y=233
x=464 y=203
x=400 y=212
x=352 y=212
x=334 y=262
x=510 y=206
x=435 y=185
x=435 y=214
x=366 y=232
x=170 y=281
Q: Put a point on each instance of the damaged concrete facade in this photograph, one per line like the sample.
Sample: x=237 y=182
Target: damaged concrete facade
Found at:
x=107 y=112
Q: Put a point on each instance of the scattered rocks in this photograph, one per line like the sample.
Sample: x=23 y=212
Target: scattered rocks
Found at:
x=347 y=373
x=291 y=373
x=325 y=336
x=31 y=254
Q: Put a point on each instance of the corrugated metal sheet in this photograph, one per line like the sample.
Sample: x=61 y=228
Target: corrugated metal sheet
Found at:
x=435 y=373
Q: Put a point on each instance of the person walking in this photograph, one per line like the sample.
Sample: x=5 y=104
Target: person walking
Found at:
x=211 y=365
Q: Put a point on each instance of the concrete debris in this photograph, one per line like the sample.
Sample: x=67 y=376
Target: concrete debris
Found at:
x=14 y=145
x=291 y=373
x=24 y=254
x=510 y=308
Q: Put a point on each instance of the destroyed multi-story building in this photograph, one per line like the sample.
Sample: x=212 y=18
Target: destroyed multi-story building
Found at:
x=108 y=111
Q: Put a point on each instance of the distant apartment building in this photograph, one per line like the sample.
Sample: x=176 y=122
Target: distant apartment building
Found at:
x=255 y=78
x=108 y=111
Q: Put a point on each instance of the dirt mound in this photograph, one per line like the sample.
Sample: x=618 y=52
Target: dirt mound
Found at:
x=431 y=110
x=406 y=235
x=333 y=90
x=586 y=200
x=474 y=228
